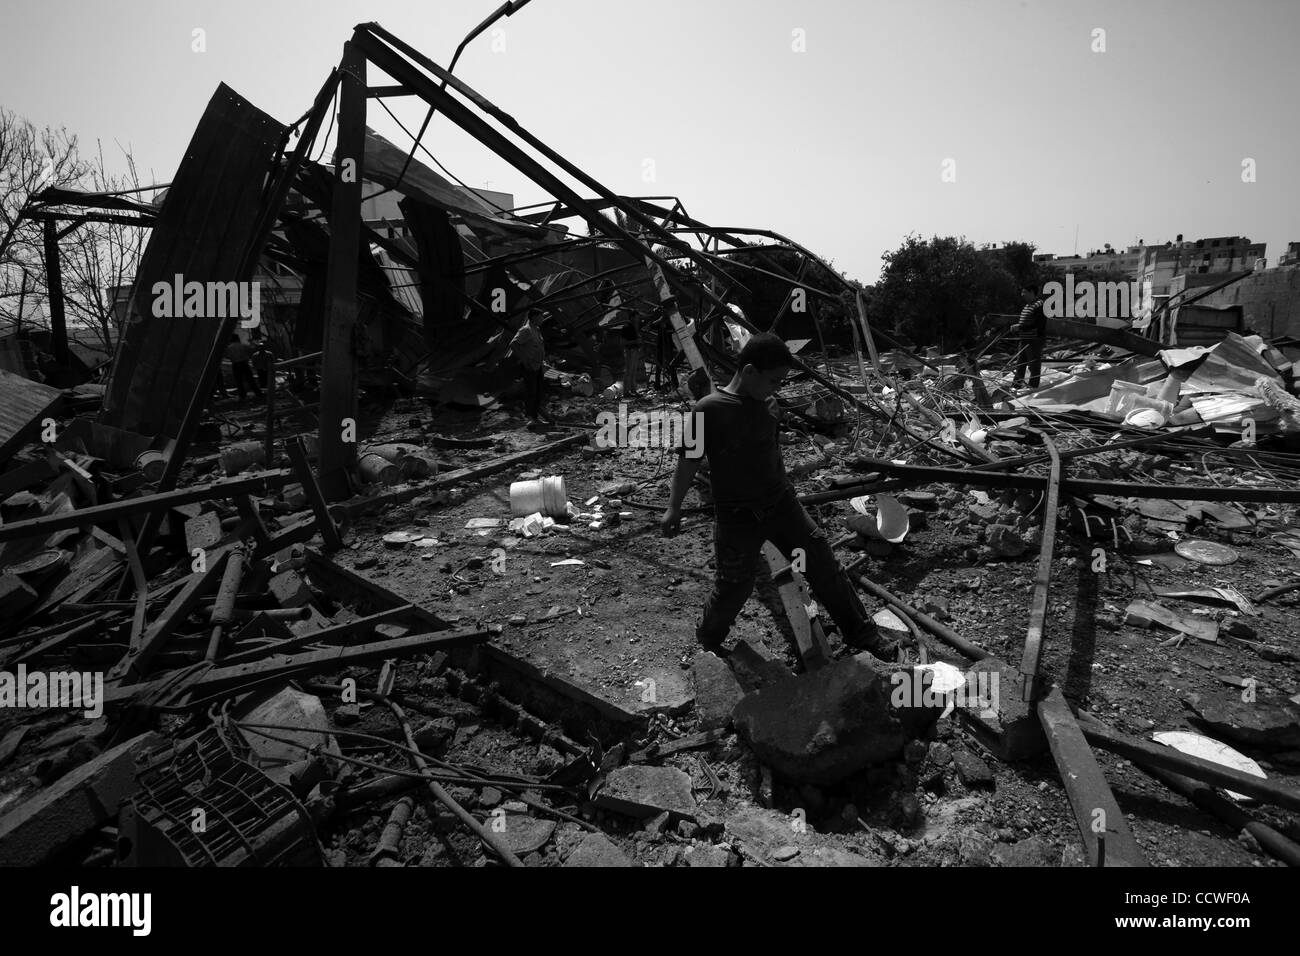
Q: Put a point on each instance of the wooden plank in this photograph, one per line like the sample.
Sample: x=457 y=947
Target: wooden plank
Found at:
x=25 y=475
x=813 y=648
x=1089 y=795
x=284 y=666
x=54 y=292
x=987 y=478
x=24 y=404
x=224 y=488
x=324 y=520
x=1042 y=579
x=135 y=662
x=338 y=579
x=325 y=636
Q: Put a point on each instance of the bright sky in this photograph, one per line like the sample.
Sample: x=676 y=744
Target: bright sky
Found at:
x=840 y=146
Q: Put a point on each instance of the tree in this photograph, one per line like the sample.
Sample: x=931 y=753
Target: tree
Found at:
x=95 y=256
x=99 y=257
x=30 y=160
x=934 y=290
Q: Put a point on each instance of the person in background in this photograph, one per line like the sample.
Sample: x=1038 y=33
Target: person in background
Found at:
x=1031 y=331
x=263 y=358
x=528 y=350
x=240 y=355
x=754 y=502
x=630 y=335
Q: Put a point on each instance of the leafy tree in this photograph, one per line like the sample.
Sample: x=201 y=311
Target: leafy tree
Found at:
x=95 y=256
x=933 y=290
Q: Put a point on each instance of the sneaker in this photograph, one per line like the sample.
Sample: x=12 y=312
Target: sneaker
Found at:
x=867 y=638
x=712 y=646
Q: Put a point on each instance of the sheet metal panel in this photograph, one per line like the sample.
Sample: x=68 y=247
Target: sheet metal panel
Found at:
x=207 y=218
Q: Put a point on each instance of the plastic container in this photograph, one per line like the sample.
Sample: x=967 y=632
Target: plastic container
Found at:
x=1122 y=395
x=152 y=464
x=375 y=468
x=544 y=495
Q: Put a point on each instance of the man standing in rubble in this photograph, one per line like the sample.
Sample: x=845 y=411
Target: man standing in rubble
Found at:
x=240 y=355
x=755 y=502
x=1031 y=332
x=528 y=350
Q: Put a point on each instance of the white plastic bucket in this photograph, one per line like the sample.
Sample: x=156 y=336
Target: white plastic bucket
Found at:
x=545 y=495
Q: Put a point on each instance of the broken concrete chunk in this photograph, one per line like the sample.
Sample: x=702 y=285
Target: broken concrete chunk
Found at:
x=1257 y=724
x=973 y=771
x=716 y=691
x=286 y=708
x=994 y=707
x=769 y=834
x=597 y=850
x=203 y=531
x=1004 y=541
x=643 y=791
x=753 y=669
x=706 y=855
x=521 y=833
x=289 y=589
x=86 y=798
x=823 y=726
x=1029 y=852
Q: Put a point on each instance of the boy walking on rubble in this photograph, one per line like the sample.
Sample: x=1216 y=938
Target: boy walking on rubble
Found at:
x=755 y=502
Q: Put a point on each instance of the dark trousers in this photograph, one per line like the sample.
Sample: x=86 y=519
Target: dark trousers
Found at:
x=534 y=391
x=242 y=373
x=738 y=536
x=1029 y=358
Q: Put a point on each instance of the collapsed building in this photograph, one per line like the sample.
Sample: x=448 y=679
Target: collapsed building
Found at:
x=298 y=648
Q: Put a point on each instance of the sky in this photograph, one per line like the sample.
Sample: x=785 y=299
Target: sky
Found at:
x=844 y=124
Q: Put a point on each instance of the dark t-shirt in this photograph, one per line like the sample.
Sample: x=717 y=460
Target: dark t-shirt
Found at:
x=740 y=441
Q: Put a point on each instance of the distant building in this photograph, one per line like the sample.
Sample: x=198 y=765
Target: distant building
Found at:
x=1269 y=299
x=1107 y=260
x=1215 y=255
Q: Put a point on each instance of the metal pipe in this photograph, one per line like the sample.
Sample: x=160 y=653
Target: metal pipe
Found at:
x=945 y=634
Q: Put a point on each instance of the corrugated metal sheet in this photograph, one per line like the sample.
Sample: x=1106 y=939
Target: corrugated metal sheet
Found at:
x=23 y=403
x=206 y=221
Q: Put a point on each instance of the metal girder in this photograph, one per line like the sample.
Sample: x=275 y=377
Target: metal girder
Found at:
x=1106 y=837
x=339 y=363
x=225 y=488
x=985 y=477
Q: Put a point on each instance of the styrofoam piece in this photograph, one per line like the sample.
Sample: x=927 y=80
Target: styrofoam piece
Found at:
x=1207 y=748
